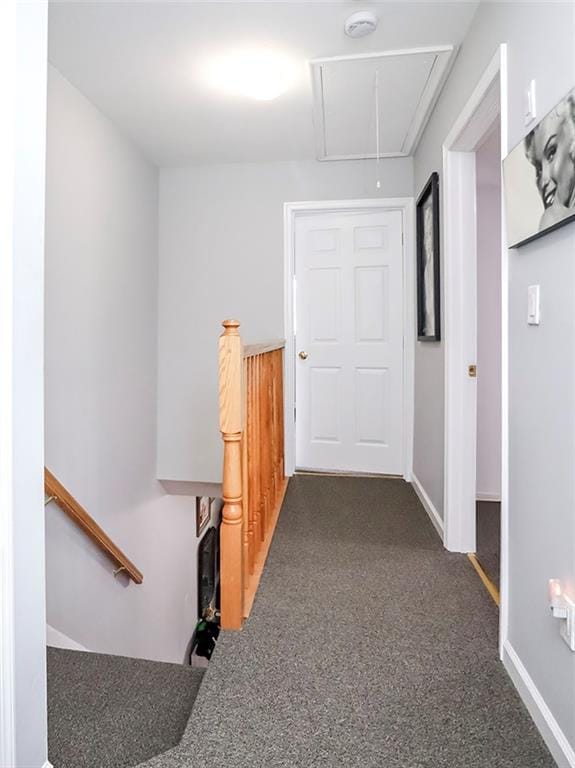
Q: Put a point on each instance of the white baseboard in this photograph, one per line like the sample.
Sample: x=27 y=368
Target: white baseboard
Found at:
x=428 y=505
x=57 y=639
x=488 y=496
x=47 y=764
x=556 y=741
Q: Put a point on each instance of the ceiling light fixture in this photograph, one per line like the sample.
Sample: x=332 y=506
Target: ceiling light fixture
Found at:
x=360 y=24
x=261 y=74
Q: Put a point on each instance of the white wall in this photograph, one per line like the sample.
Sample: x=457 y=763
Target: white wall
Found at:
x=542 y=359
x=221 y=255
x=489 y=319
x=101 y=366
x=23 y=40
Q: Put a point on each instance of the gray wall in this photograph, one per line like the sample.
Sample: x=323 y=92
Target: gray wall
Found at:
x=542 y=359
x=222 y=226
x=101 y=368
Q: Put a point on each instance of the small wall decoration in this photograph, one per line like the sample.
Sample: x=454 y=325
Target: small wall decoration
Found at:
x=539 y=176
x=203 y=510
x=427 y=223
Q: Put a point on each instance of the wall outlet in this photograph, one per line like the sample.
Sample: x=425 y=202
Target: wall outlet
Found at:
x=563 y=609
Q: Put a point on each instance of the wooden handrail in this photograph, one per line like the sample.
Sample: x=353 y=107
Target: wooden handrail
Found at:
x=251 y=350
x=251 y=422
x=68 y=504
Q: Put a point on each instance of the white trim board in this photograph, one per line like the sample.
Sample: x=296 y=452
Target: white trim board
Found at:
x=556 y=741
x=487 y=101
x=428 y=505
x=291 y=210
x=7 y=608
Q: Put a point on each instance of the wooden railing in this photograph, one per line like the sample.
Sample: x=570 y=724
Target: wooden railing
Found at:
x=251 y=422
x=68 y=504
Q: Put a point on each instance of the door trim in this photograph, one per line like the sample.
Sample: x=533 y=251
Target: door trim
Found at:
x=459 y=149
x=406 y=206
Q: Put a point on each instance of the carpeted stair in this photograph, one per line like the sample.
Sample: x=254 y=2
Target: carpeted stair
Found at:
x=114 y=712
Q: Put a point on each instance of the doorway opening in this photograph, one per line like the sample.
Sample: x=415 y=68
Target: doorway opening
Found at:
x=488 y=474
x=476 y=389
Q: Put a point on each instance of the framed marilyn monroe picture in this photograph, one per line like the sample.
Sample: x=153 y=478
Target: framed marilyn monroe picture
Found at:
x=539 y=176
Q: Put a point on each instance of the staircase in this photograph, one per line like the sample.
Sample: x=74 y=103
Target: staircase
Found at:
x=112 y=711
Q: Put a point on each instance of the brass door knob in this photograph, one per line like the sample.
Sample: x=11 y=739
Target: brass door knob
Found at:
x=303 y=355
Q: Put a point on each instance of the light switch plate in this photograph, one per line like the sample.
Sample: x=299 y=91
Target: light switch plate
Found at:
x=533 y=305
x=530 y=103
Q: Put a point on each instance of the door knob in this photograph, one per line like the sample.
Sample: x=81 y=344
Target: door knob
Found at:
x=303 y=355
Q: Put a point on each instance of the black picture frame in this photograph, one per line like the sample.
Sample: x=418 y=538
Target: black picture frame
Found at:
x=426 y=283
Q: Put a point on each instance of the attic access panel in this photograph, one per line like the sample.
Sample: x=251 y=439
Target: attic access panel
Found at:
x=408 y=85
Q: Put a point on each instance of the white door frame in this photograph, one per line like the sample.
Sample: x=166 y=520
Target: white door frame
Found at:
x=291 y=211
x=460 y=307
x=23 y=71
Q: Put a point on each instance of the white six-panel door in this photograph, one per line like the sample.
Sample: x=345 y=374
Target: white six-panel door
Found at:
x=349 y=342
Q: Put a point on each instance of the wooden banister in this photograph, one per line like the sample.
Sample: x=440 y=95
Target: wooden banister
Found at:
x=250 y=350
x=68 y=504
x=251 y=422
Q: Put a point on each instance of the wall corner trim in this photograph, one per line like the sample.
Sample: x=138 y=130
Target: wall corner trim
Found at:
x=549 y=728
x=47 y=764
x=428 y=505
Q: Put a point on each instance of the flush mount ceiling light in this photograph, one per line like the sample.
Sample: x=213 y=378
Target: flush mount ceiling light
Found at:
x=261 y=74
x=361 y=23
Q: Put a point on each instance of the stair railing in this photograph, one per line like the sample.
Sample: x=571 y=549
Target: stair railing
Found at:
x=57 y=493
x=254 y=483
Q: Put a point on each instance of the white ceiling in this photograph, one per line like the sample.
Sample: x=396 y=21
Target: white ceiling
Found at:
x=142 y=64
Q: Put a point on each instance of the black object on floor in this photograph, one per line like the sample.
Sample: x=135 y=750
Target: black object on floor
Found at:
x=205 y=638
x=114 y=712
x=488 y=538
x=368 y=646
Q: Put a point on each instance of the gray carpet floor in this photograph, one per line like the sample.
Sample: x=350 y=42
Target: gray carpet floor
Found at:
x=368 y=646
x=113 y=712
x=488 y=538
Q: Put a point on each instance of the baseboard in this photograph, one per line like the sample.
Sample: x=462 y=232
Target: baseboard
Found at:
x=488 y=496
x=47 y=764
x=556 y=741
x=428 y=505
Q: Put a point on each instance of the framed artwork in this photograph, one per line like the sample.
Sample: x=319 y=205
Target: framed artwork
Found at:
x=427 y=240
x=203 y=513
x=539 y=176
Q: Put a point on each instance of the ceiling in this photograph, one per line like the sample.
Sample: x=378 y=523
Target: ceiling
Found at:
x=143 y=64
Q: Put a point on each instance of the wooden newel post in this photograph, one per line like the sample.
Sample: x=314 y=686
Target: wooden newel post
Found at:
x=231 y=426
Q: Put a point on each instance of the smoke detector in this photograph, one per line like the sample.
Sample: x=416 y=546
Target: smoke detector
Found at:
x=360 y=24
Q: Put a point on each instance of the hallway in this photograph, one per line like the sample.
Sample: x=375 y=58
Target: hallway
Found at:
x=368 y=645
